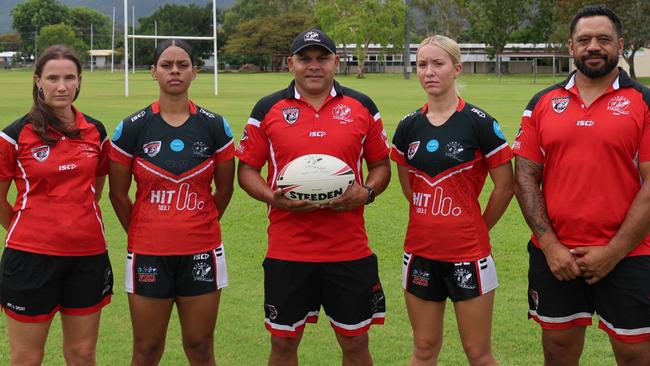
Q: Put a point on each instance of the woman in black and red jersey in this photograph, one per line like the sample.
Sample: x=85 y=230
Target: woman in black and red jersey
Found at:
x=175 y=150
x=55 y=258
x=444 y=151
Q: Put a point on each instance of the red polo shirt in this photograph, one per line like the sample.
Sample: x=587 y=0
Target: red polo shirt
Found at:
x=55 y=211
x=591 y=157
x=282 y=127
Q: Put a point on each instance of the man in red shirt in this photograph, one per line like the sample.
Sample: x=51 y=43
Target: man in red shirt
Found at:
x=587 y=141
x=317 y=254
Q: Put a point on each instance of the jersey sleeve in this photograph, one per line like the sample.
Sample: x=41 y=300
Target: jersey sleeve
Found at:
x=104 y=153
x=376 y=145
x=225 y=142
x=492 y=142
x=8 y=156
x=527 y=142
x=123 y=143
x=399 y=147
x=253 y=148
x=644 y=147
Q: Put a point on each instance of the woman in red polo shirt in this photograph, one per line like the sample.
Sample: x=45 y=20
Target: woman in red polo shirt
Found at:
x=55 y=258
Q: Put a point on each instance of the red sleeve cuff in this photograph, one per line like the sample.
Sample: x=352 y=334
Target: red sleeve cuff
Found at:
x=226 y=153
x=398 y=156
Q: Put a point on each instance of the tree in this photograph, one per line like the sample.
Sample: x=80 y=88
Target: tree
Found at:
x=540 y=21
x=186 y=20
x=444 y=17
x=82 y=17
x=31 y=15
x=636 y=27
x=62 y=34
x=494 y=20
x=245 y=10
x=10 y=42
x=363 y=22
x=265 y=40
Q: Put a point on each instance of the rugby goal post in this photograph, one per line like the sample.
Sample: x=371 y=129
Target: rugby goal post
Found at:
x=213 y=38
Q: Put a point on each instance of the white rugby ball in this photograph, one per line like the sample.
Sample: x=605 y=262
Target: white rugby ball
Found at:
x=318 y=178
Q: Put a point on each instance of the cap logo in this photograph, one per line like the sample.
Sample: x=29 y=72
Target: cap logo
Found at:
x=312 y=36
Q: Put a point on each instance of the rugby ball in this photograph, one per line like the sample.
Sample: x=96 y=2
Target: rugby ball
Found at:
x=318 y=178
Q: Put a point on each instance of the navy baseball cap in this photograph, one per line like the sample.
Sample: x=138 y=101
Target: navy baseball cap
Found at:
x=312 y=37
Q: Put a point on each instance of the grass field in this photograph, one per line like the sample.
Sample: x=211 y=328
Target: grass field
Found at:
x=240 y=336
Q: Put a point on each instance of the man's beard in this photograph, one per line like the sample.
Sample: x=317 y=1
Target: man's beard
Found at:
x=594 y=73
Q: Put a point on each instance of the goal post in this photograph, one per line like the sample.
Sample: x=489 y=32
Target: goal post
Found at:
x=128 y=36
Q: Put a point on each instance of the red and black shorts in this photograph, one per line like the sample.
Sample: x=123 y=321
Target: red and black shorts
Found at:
x=33 y=287
x=168 y=276
x=350 y=293
x=433 y=280
x=621 y=299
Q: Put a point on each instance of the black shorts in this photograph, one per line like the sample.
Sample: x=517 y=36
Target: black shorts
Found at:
x=621 y=299
x=433 y=280
x=33 y=287
x=166 y=277
x=350 y=293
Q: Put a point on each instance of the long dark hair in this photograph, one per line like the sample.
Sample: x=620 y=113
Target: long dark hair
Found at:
x=41 y=115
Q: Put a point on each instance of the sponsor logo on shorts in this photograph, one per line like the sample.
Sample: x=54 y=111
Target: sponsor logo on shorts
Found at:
x=291 y=114
x=107 y=281
x=342 y=112
x=378 y=304
x=201 y=256
x=41 y=153
x=15 y=307
x=420 y=277
x=271 y=311
x=147 y=274
x=559 y=104
x=464 y=279
x=151 y=148
x=202 y=272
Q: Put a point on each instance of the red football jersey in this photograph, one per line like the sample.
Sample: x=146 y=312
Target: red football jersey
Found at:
x=447 y=166
x=590 y=157
x=283 y=127
x=55 y=211
x=173 y=213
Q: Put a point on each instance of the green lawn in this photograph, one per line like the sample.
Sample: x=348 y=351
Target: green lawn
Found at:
x=240 y=336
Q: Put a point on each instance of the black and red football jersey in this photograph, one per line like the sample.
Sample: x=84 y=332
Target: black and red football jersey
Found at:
x=55 y=211
x=591 y=157
x=282 y=127
x=173 y=213
x=447 y=166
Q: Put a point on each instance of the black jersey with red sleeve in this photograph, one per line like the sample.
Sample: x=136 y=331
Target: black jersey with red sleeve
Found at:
x=591 y=156
x=447 y=167
x=173 y=213
x=55 y=211
x=283 y=127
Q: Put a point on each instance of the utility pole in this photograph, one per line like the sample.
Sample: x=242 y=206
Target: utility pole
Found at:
x=407 y=43
x=92 y=67
x=155 y=31
x=113 y=42
x=133 y=47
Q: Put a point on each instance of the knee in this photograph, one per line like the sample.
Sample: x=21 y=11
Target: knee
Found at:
x=479 y=355
x=79 y=354
x=354 y=344
x=199 y=350
x=561 y=352
x=27 y=358
x=426 y=350
x=284 y=345
x=147 y=353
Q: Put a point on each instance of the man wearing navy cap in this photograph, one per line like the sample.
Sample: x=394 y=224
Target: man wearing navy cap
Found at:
x=318 y=255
